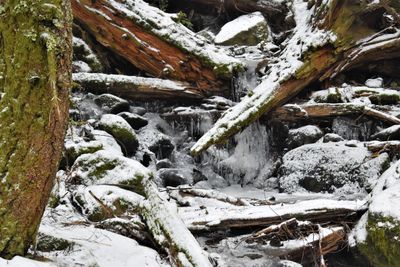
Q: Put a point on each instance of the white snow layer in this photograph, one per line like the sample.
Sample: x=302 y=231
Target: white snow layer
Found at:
x=289 y=63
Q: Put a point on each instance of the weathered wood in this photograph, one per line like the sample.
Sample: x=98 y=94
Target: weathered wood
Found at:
x=153 y=42
x=295 y=112
x=213 y=218
x=342 y=40
x=136 y=88
x=168 y=229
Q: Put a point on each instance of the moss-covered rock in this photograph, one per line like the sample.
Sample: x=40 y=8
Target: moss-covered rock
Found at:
x=47 y=243
x=74 y=150
x=101 y=202
x=121 y=131
x=103 y=167
x=382 y=246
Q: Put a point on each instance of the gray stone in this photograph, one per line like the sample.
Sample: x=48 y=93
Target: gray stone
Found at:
x=111 y=103
x=134 y=120
x=327 y=167
x=163 y=164
x=331 y=137
x=172 y=177
x=303 y=135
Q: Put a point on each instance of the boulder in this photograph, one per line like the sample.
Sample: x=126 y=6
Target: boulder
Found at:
x=391 y=133
x=100 y=202
x=158 y=143
x=134 y=120
x=328 y=167
x=74 y=149
x=248 y=29
x=111 y=104
x=331 y=137
x=103 y=167
x=303 y=135
x=121 y=131
x=138 y=110
x=380 y=241
x=47 y=243
x=163 y=164
x=172 y=177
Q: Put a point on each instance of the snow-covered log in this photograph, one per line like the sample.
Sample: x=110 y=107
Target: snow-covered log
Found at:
x=168 y=229
x=291 y=112
x=136 y=88
x=211 y=218
x=324 y=39
x=154 y=42
x=267 y=7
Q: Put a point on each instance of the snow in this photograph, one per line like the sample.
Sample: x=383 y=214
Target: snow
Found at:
x=169 y=30
x=203 y=219
x=374 y=83
x=124 y=170
x=359 y=233
x=241 y=24
x=289 y=62
x=24 y=262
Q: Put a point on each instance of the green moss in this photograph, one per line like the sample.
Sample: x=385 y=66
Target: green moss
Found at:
x=382 y=246
x=182 y=18
x=47 y=243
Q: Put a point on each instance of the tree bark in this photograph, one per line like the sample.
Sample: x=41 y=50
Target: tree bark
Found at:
x=153 y=42
x=35 y=77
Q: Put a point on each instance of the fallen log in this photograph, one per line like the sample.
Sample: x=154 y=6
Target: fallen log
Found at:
x=392 y=147
x=267 y=7
x=318 y=211
x=136 y=88
x=292 y=112
x=168 y=229
x=153 y=42
x=319 y=49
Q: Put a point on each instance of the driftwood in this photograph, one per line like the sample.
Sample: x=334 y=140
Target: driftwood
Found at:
x=212 y=218
x=153 y=42
x=295 y=112
x=168 y=229
x=136 y=88
x=310 y=241
x=341 y=46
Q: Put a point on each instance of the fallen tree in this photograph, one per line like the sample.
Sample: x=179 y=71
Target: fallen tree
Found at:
x=308 y=111
x=328 y=39
x=136 y=88
x=214 y=218
x=154 y=42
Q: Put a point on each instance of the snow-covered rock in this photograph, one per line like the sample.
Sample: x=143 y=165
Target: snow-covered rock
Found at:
x=328 y=167
x=374 y=83
x=104 y=167
x=121 y=131
x=158 y=143
x=331 y=137
x=303 y=135
x=83 y=53
x=173 y=177
x=379 y=235
x=391 y=133
x=111 y=103
x=118 y=201
x=248 y=29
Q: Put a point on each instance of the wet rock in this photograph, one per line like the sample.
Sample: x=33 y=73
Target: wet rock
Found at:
x=111 y=103
x=138 y=110
x=134 y=120
x=100 y=202
x=303 y=135
x=158 y=143
x=103 y=167
x=391 y=133
x=163 y=164
x=329 y=167
x=172 y=177
x=248 y=29
x=121 y=131
x=331 y=137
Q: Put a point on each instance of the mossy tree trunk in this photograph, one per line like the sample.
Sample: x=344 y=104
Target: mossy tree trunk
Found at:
x=35 y=76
